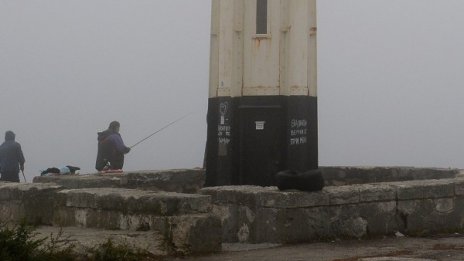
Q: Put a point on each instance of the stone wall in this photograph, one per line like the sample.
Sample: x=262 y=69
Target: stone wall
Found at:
x=357 y=203
x=257 y=215
x=31 y=202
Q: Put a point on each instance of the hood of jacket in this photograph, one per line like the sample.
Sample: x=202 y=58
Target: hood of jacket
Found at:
x=104 y=134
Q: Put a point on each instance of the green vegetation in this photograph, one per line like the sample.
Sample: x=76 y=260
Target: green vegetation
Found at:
x=21 y=242
x=111 y=252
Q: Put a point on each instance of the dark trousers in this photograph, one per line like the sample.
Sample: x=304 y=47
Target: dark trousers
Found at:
x=116 y=162
x=12 y=176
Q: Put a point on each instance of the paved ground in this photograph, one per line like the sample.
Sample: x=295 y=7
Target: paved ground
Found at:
x=440 y=248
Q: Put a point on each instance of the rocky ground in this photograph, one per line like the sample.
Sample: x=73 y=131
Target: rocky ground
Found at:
x=439 y=248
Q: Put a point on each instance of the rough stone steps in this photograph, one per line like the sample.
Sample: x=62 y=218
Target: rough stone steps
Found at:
x=182 y=220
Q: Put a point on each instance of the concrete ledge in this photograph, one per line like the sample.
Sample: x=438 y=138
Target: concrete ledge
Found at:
x=134 y=201
x=425 y=189
x=12 y=191
x=30 y=202
x=338 y=176
x=265 y=215
x=181 y=180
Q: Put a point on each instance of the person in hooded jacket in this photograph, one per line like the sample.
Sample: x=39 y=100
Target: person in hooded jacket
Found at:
x=11 y=158
x=111 y=149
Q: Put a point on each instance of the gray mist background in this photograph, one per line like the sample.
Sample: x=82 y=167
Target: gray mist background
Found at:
x=390 y=80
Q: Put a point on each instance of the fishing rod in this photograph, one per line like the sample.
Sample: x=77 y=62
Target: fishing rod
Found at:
x=166 y=126
x=24 y=176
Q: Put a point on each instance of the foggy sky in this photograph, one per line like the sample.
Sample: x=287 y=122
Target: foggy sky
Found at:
x=390 y=81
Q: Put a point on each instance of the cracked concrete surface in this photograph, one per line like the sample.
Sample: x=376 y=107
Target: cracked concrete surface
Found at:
x=438 y=248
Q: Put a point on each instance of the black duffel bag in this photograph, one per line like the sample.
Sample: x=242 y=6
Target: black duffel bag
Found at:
x=311 y=180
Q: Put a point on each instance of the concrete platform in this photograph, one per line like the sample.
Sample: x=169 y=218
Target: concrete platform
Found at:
x=197 y=223
x=179 y=180
x=192 y=180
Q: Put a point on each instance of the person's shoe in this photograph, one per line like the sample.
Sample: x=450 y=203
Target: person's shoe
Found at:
x=111 y=171
x=73 y=169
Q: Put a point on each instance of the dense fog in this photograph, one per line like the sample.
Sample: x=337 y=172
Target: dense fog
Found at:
x=390 y=81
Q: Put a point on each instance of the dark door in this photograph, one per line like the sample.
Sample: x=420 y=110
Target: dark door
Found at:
x=260 y=145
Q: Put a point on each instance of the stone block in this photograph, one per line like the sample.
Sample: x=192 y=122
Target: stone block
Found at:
x=345 y=221
x=95 y=218
x=339 y=176
x=427 y=216
x=136 y=201
x=307 y=224
x=220 y=195
x=241 y=195
x=66 y=217
x=459 y=186
x=182 y=235
x=355 y=227
x=264 y=228
x=381 y=217
x=377 y=192
x=194 y=234
x=14 y=191
x=228 y=215
x=294 y=225
x=281 y=199
x=11 y=211
x=179 y=235
x=177 y=180
x=341 y=195
x=180 y=180
x=81 y=181
x=424 y=189
x=32 y=203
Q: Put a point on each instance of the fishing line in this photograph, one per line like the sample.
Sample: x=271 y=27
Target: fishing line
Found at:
x=166 y=126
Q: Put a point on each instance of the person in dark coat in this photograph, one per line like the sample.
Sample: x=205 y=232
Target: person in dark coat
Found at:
x=11 y=158
x=111 y=149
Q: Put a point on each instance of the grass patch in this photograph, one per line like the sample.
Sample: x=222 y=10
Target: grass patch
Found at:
x=21 y=242
x=110 y=251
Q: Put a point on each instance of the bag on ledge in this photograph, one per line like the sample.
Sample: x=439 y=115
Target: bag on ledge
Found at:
x=311 y=180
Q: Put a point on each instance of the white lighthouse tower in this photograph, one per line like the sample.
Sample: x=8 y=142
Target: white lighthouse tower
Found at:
x=262 y=111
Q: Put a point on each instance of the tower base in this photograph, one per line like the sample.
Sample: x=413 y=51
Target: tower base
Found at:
x=252 y=138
